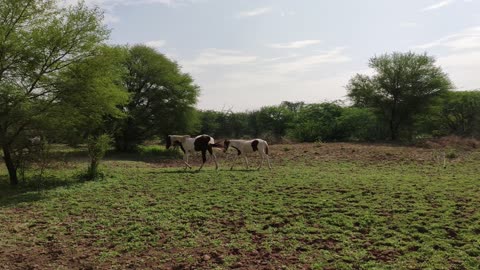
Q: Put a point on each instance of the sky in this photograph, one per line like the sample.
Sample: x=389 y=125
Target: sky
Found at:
x=245 y=54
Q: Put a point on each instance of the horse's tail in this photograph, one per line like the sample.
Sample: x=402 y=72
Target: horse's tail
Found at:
x=266 y=148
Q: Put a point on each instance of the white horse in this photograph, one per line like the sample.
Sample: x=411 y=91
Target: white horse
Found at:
x=189 y=146
x=244 y=147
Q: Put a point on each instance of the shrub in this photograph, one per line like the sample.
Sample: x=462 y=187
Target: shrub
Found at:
x=97 y=147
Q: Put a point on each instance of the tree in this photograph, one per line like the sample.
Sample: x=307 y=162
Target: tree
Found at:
x=317 y=122
x=460 y=113
x=38 y=40
x=274 y=120
x=357 y=124
x=404 y=84
x=294 y=107
x=91 y=92
x=209 y=122
x=162 y=98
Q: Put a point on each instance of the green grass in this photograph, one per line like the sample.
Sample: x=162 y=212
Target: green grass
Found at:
x=303 y=214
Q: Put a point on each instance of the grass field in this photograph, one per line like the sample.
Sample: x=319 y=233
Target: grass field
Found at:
x=323 y=206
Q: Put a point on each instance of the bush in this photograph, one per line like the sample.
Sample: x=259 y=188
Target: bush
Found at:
x=97 y=147
x=35 y=150
x=358 y=124
x=158 y=151
x=317 y=122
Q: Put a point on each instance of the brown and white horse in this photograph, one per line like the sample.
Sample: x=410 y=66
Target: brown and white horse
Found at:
x=202 y=143
x=244 y=147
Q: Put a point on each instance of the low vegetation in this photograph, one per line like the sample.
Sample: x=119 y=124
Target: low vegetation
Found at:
x=324 y=206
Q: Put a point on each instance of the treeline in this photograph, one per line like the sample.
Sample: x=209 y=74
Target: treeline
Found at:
x=451 y=113
x=407 y=98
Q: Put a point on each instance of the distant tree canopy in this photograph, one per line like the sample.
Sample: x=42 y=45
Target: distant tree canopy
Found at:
x=162 y=98
x=457 y=113
x=301 y=122
x=404 y=84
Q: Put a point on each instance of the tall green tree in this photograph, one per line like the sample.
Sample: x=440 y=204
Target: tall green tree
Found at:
x=403 y=85
x=162 y=98
x=38 y=40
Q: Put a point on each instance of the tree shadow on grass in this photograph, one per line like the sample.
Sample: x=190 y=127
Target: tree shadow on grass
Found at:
x=32 y=189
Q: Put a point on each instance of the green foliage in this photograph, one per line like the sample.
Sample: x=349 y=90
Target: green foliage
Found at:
x=453 y=113
x=274 y=120
x=460 y=113
x=358 y=124
x=38 y=41
x=162 y=98
x=227 y=124
x=96 y=148
x=92 y=92
x=158 y=151
x=403 y=86
x=317 y=122
x=298 y=121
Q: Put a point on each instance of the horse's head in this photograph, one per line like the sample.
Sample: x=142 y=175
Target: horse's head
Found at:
x=226 y=144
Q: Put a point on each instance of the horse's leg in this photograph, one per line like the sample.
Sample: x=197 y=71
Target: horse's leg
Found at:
x=268 y=160
x=246 y=161
x=233 y=162
x=262 y=156
x=204 y=159
x=185 y=160
x=210 y=150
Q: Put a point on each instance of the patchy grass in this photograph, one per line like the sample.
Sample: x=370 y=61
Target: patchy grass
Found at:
x=338 y=206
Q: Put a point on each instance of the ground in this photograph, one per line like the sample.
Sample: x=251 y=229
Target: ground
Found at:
x=323 y=206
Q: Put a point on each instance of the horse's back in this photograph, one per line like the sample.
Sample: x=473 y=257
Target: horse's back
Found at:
x=202 y=142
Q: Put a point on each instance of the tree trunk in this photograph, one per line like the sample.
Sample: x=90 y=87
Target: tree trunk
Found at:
x=393 y=131
x=393 y=126
x=12 y=170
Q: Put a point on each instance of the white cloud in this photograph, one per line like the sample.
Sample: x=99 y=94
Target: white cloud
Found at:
x=255 y=12
x=438 y=5
x=408 y=24
x=443 y=4
x=462 y=59
x=156 y=44
x=463 y=69
x=287 y=13
x=310 y=62
x=295 y=44
x=109 y=5
x=217 y=57
x=466 y=39
x=113 y=3
x=224 y=75
x=270 y=88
